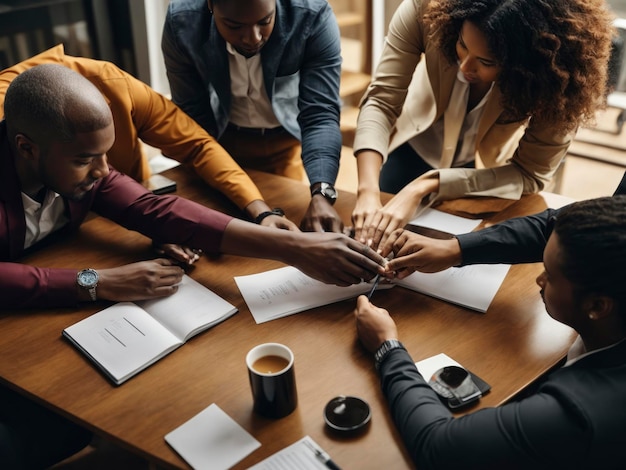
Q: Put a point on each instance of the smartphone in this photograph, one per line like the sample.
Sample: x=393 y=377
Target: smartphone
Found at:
x=456 y=385
x=160 y=184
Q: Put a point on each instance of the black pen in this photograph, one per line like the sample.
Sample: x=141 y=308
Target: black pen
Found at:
x=376 y=281
x=323 y=457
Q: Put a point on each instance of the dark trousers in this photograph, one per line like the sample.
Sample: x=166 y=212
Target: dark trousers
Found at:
x=32 y=436
x=402 y=166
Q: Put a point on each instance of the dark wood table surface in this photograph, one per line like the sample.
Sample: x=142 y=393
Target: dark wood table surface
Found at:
x=509 y=346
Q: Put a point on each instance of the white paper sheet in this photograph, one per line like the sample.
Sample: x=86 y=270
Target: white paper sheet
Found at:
x=285 y=291
x=212 y=440
x=438 y=220
x=472 y=286
x=427 y=367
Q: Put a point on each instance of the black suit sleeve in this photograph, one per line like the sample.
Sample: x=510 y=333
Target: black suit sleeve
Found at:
x=518 y=240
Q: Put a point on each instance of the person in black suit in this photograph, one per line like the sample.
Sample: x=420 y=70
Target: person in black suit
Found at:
x=575 y=417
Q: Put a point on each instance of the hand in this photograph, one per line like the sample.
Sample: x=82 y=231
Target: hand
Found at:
x=367 y=204
x=277 y=221
x=140 y=281
x=259 y=206
x=335 y=258
x=413 y=252
x=180 y=253
x=373 y=324
x=321 y=216
x=398 y=211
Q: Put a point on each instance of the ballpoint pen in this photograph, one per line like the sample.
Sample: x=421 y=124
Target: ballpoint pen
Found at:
x=322 y=456
x=374 y=286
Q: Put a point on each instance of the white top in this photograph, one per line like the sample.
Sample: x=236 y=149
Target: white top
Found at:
x=429 y=144
x=577 y=351
x=250 y=106
x=42 y=219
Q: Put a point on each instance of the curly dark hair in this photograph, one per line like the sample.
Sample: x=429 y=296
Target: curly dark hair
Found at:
x=553 y=54
x=592 y=236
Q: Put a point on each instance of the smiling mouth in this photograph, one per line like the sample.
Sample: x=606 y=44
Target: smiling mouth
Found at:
x=87 y=186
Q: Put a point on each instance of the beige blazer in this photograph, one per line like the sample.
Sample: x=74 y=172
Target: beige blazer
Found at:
x=411 y=90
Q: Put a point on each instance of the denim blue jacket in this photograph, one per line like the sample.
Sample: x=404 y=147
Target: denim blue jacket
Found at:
x=301 y=67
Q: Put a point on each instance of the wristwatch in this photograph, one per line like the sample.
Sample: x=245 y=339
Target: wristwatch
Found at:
x=325 y=189
x=275 y=211
x=88 y=279
x=384 y=349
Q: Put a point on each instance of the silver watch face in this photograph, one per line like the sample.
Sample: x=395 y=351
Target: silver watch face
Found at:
x=328 y=191
x=87 y=278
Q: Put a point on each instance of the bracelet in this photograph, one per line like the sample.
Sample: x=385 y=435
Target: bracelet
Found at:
x=384 y=349
x=276 y=211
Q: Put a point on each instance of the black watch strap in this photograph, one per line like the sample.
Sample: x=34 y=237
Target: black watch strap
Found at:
x=276 y=211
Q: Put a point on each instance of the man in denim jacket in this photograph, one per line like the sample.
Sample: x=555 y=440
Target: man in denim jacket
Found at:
x=262 y=76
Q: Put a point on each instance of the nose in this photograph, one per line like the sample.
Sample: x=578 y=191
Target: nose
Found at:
x=100 y=167
x=252 y=36
x=541 y=280
x=468 y=64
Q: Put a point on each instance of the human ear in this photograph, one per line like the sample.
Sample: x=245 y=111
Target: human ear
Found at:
x=26 y=148
x=599 y=306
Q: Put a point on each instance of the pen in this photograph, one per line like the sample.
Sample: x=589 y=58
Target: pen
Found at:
x=376 y=281
x=322 y=456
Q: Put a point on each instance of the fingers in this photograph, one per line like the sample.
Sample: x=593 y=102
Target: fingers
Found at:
x=180 y=253
x=372 y=260
x=392 y=241
x=277 y=221
x=311 y=225
x=335 y=225
x=361 y=303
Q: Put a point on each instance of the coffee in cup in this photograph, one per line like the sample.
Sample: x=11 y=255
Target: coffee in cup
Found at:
x=272 y=379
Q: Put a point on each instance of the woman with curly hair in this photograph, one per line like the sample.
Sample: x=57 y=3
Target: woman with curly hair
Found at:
x=475 y=98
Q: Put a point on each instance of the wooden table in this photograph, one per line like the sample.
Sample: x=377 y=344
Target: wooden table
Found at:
x=509 y=346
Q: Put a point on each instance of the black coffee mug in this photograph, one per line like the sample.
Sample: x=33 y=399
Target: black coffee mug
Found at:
x=272 y=379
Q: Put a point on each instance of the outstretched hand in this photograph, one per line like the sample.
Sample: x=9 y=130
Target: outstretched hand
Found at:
x=321 y=216
x=378 y=224
x=335 y=258
x=140 y=281
x=180 y=253
x=281 y=222
x=413 y=252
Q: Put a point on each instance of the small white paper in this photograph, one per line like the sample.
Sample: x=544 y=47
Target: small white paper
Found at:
x=297 y=456
x=472 y=286
x=427 y=367
x=438 y=220
x=212 y=440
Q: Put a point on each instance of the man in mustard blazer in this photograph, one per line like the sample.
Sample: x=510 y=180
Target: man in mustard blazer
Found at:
x=142 y=114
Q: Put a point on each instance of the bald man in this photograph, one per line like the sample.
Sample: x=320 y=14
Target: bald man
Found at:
x=53 y=171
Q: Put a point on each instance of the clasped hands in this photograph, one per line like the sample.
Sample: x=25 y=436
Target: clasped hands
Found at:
x=374 y=223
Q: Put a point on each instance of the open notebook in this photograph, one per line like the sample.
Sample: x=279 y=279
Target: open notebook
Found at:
x=125 y=338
